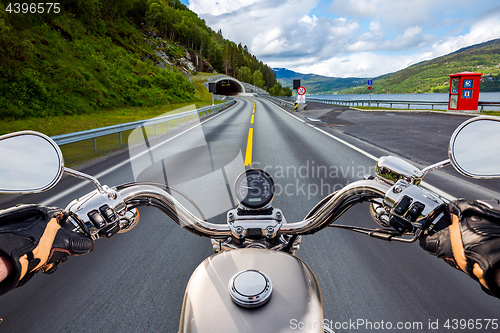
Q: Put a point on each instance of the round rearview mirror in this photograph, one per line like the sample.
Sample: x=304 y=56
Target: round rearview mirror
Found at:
x=30 y=162
x=475 y=148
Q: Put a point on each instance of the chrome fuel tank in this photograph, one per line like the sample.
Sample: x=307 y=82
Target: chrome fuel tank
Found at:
x=295 y=299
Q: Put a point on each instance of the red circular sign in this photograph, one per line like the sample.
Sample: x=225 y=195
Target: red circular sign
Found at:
x=301 y=90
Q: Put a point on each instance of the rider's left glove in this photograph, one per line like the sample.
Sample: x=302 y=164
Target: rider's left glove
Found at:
x=32 y=238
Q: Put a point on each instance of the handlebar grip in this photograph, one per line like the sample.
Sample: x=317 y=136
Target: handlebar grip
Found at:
x=443 y=223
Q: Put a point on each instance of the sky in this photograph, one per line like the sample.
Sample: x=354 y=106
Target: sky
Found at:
x=351 y=38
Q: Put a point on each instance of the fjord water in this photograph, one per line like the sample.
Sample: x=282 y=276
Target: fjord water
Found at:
x=483 y=97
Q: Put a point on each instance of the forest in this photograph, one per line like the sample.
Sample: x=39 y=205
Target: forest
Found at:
x=95 y=55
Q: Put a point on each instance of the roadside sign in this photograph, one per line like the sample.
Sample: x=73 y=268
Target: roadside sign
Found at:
x=370 y=84
x=301 y=98
x=296 y=84
x=301 y=90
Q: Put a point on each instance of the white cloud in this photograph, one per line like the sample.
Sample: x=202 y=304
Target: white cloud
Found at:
x=396 y=12
x=219 y=7
x=357 y=38
x=309 y=20
x=481 y=31
x=271 y=42
x=360 y=64
x=375 y=27
x=281 y=23
x=410 y=39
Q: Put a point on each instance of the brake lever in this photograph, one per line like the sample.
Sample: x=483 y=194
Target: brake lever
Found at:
x=383 y=234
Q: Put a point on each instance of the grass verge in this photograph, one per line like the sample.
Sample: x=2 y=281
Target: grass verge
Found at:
x=82 y=152
x=56 y=125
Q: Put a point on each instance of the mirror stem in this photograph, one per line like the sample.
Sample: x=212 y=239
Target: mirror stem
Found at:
x=82 y=175
x=436 y=166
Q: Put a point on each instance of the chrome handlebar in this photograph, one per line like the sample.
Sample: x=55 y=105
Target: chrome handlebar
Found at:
x=397 y=201
x=342 y=200
x=176 y=210
x=357 y=192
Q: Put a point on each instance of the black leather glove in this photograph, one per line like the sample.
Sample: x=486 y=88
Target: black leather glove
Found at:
x=32 y=238
x=472 y=242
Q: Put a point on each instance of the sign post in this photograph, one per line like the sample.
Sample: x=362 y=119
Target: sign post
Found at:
x=212 y=88
x=301 y=97
x=370 y=84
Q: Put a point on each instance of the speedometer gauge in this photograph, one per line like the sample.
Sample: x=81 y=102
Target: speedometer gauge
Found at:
x=254 y=188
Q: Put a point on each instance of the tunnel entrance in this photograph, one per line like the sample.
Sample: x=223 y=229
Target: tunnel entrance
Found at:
x=228 y=87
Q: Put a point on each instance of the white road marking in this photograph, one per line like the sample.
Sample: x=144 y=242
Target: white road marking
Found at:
x=361 y=151
x=288 y=113
x=65 y=193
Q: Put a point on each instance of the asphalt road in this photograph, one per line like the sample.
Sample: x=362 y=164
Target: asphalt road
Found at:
x=135 y=281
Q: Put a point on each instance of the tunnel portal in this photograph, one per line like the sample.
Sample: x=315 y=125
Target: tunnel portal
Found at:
x=228 y=86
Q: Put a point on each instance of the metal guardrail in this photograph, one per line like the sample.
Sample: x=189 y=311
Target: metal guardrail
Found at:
x=279 y=101
x=98 y=132
x=362 y=102
x=483 y=104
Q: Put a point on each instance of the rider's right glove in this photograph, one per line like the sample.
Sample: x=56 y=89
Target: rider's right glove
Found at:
x=472 y=242
x=32 y=239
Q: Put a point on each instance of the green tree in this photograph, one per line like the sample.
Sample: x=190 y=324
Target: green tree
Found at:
x=276 y=90
x=245 y=74
x=258 y=79
x=287 y=91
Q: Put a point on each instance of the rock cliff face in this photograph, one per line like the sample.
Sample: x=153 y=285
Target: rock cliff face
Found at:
x=200 y=64
x=168 y=54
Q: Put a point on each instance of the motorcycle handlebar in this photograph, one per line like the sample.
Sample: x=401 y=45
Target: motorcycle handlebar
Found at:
x=159 y=198
x=340 y=201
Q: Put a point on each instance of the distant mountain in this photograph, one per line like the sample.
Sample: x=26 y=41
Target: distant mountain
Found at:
x=283 y=73
x=432 y=76
x=317 y=84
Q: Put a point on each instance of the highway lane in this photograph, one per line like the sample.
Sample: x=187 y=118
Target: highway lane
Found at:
x=135 y=281
x=361 y=278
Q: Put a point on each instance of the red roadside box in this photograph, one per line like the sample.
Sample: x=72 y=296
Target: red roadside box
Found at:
x=464 y=91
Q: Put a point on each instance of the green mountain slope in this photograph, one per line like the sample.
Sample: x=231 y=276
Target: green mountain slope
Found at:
x=433 y=75
x=424 y=77
x=102 y=54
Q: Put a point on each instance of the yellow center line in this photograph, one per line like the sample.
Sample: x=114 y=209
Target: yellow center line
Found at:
x=248 y=155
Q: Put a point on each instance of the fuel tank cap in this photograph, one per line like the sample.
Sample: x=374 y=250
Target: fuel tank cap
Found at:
x=250 y=288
